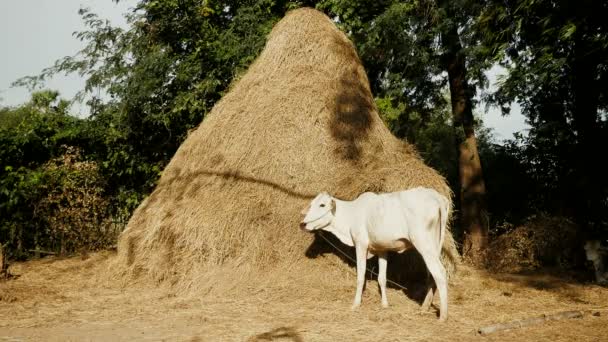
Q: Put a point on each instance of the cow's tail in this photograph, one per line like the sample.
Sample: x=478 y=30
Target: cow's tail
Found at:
x=450 y=256
x=444 y=214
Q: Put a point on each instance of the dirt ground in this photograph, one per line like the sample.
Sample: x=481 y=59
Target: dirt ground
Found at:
x=68 y=300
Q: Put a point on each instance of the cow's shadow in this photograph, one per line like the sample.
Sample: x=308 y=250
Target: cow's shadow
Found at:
x=406 y=271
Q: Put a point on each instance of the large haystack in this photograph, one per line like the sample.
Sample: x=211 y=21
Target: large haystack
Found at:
x=300 y=121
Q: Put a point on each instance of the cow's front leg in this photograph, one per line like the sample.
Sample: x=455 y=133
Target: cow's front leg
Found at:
x=361 y=266
x=382 y=263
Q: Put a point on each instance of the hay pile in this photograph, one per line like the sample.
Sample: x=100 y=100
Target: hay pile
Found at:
x=542 y=241
x=301 y=120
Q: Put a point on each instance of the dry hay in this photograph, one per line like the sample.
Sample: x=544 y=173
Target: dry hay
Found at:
x=541 y=241
x=55 y=299
x=301 y=120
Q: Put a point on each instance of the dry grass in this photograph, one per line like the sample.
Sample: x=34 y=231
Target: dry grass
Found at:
x=301 y=120
x=70 y=300
x=215 y=253
x=541 y=241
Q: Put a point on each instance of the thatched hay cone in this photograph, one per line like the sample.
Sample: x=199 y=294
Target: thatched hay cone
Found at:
x=300 y=121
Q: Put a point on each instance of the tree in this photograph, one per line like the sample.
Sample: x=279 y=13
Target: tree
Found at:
x=31 y=135
x=161 y=76
x=408 y=47
x=555 y=55
x=177 y=58
x=472 y=185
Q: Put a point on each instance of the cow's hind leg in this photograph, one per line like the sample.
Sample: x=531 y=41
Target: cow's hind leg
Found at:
x=428 y=299
x=433 y=263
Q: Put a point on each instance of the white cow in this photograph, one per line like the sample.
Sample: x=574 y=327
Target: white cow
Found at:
x=597 y=254
x=392 y=222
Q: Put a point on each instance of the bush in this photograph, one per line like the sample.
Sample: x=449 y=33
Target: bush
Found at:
x=74 y=210
x=59 y=207
x=542 y=241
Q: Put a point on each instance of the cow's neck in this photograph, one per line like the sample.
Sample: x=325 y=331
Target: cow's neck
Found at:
x=340 y=226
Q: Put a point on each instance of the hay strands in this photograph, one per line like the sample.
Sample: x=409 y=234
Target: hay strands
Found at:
x=537 y=320
x=274 y=140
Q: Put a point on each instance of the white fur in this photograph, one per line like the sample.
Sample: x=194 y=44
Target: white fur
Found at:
x=378 y=223
x=596 y=254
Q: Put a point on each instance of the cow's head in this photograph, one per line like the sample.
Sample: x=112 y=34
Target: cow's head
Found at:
x=592 y=250
x=320 y=213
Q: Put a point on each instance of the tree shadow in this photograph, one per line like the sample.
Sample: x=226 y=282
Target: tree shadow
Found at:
x=351 y=119
x=187 y=183
x=233 y=175
x=565 y=284
x=282 y=333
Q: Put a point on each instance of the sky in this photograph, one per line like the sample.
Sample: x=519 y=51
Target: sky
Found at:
x=503 y=126
x=35 y=33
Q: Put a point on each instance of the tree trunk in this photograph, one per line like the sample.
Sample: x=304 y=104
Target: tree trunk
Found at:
x=472 y=186
x=3 y=262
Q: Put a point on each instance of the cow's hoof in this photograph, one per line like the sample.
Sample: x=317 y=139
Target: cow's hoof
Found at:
x=355 y=307
x=385 y=305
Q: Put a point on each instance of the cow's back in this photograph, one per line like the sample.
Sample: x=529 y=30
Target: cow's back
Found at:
x=385 y=218
x=421 y=200
x=392 y=216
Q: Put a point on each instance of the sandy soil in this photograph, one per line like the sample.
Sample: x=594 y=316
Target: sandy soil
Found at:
x=68 y=300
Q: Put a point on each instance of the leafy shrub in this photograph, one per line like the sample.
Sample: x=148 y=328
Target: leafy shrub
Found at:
x=74 y=209
x=542 y=241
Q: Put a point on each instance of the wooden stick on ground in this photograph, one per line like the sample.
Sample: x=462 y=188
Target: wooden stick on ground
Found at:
x=533 y=321
x=41 y=252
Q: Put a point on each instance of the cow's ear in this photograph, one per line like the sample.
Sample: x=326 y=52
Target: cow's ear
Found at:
x=332 y=205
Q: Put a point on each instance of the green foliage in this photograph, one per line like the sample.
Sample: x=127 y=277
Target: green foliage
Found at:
x=18 y=189
x=555 y=55
x=433 y=135
x=161 y=77
x=30 y=135
x=163 y=74
x=73 y=211
x=512 y=188
x=402 y=45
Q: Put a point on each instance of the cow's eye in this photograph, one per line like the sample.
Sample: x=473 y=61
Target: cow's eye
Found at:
x=322 y=205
